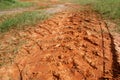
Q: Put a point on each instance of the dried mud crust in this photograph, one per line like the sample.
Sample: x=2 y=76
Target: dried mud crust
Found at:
x=69 y=46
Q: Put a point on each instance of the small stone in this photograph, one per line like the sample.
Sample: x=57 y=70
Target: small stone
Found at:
x=58 y=45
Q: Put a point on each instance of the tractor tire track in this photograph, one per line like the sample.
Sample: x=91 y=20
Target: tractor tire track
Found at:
x=69 y=46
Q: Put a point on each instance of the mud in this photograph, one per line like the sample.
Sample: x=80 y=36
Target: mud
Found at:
x=69 y=46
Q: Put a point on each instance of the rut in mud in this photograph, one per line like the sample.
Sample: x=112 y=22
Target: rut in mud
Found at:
x=69 y=46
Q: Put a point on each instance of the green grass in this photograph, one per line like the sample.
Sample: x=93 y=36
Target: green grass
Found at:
x=21 y=20
x=10 y=4
x=109 y=9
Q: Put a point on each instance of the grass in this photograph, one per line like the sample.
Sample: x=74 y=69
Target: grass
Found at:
x=21 y=20
x=109 y=9
x=10 y=4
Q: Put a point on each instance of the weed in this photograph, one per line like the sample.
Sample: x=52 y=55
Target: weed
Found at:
x=9 y=4
x=23 y=19
x=109 y=9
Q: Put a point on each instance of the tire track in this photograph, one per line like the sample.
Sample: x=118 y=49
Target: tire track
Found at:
x=68 y=46
x=115 y=63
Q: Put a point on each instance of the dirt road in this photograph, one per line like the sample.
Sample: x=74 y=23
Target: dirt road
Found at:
x=16 y=11
x=69 y=46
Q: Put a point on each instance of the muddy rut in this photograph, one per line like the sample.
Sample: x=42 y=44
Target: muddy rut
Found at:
x=69 y=46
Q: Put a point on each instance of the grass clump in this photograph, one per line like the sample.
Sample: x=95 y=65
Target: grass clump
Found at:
x=23 y=19
x=109 y=9
x=9 y=4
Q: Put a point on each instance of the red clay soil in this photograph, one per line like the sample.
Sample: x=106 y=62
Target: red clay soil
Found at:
x=69 y=46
